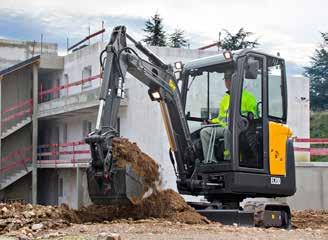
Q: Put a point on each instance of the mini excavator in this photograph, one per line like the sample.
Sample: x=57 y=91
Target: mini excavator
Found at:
x=261 y=162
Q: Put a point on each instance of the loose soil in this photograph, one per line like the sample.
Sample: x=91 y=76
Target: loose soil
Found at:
x=315 y=219
x=166 y=204
x=160 y=204
x=127 y=153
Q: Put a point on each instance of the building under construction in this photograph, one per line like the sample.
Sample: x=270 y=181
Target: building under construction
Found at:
x=49 y=103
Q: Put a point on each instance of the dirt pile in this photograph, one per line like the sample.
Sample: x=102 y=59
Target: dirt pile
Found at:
x=125 y=152
x=163 y=204
x=27 y=218
x=166 y=204
x=315 y=219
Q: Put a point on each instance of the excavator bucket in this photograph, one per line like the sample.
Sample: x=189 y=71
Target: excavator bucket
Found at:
x=123 y=187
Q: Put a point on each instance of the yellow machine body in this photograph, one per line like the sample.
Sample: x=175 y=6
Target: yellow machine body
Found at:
x=278 y=135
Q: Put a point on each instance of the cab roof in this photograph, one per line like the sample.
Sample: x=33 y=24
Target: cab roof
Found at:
x=219 y=58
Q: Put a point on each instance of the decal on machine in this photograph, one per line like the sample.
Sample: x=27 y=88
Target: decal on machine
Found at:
x=275 y=180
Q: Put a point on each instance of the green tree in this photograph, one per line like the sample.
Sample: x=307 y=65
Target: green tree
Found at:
x=237 y=41
x=177 y=39
x=155 y=35
x=317 y=72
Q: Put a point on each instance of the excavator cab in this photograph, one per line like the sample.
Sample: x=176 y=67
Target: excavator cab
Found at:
x=249 y=152
x=259 y=150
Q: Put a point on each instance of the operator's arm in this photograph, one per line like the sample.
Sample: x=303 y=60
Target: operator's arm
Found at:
x=221 y=119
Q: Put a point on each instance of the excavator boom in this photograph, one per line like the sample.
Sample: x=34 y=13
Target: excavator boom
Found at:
x=107 y=183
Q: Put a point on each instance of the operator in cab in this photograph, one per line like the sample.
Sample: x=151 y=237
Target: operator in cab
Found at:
x=219 y=126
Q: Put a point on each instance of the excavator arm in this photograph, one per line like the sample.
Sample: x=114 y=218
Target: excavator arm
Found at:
x=108 y=185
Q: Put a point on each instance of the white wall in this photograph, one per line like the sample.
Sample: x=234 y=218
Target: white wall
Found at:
x=75 y=62
x=13 y=51
x=311 y=192
x=299 y=112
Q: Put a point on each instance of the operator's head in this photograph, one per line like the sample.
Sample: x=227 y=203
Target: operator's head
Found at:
x=227 y=79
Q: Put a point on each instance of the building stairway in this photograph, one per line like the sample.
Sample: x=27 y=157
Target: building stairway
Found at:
x=14 y=176
x=16 y=127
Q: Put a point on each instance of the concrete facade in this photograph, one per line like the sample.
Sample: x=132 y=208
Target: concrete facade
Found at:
x=13 y=51
x=68 y=114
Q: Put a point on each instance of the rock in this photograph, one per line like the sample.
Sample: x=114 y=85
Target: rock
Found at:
x=23 y=237
x=109 y=236
x=37 y=226
x=28 y=214
x=29 y=206
x=4 y=210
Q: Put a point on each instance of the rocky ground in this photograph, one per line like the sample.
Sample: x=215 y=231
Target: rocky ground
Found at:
x=162 y=229
x=173 y=220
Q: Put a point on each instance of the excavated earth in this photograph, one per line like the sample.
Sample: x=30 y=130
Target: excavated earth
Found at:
x=314 y=219
x=164 y=212
x=126 y=153
x=166 y=204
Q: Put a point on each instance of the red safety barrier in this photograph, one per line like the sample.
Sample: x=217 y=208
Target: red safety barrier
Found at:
x=312 y=140
x=18 y=105
x=68 y=144
x=58 y=161
x=52 y=153
x=56 y=153
x=16 y=112
x=16 y=153
x=312 y=151
x=16 y=115
x=73 y=84
x=14 y=164
x=86 y=38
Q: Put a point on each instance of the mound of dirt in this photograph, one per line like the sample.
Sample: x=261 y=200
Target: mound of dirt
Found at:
x=125 y=152
x=166 y=204
x=26 y=219
x=315 y=219
x=160 y=204
x=29 y=218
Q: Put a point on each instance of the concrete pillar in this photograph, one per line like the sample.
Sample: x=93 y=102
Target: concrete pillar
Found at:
x=79 y=189
x=35 y=134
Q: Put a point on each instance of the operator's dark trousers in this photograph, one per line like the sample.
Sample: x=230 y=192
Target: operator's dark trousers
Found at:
x=218 y=132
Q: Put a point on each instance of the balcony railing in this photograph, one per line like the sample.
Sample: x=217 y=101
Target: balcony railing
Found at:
x=70 y=152
x=14 y=162
x=53 y=93
x=16 y=113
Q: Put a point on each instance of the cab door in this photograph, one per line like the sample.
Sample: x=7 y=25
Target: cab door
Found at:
x=249 y=115
x=279 y=132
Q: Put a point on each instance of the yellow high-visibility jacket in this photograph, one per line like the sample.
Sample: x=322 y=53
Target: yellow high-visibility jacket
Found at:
x=248 y=104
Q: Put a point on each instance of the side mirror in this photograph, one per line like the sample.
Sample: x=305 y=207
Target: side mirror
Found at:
x=251 y=68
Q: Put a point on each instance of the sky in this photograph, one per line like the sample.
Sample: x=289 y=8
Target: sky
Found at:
x=290 y=27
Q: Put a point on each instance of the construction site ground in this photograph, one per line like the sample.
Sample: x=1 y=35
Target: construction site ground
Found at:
x=162 y=215
x=161 y=229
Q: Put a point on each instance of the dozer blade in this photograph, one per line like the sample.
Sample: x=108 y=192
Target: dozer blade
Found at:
x=122 y=188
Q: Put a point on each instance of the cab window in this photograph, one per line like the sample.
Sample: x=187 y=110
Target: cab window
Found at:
x=275 y=89
x=205 y=90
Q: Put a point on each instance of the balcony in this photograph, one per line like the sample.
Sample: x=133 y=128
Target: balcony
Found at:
x=57 y=100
